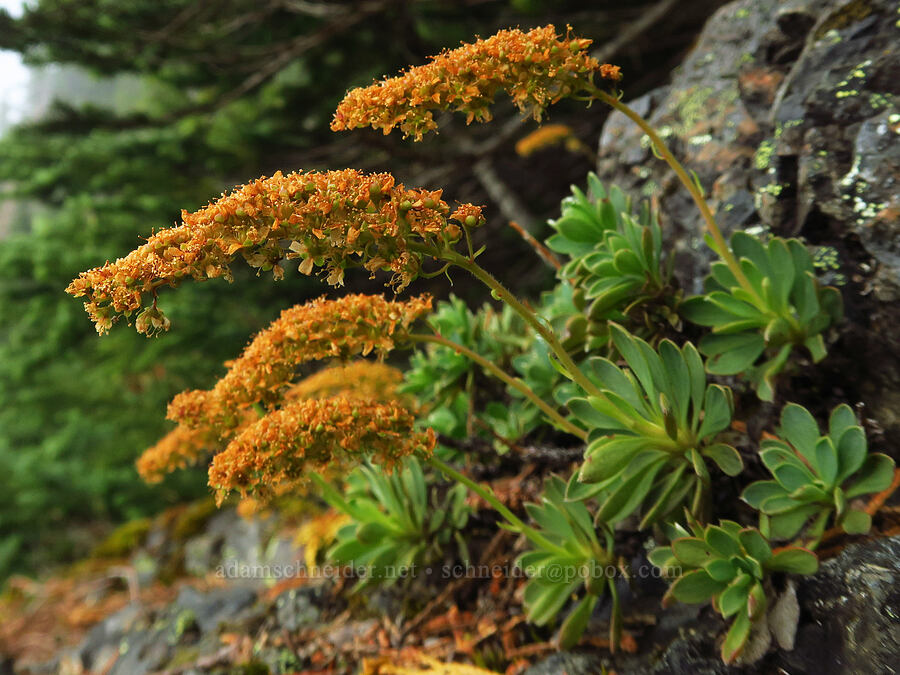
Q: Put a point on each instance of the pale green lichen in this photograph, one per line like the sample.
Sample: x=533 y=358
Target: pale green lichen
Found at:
x=764 y=154
x=742 y=13
x=650 y=189
x=878 y=100
x=700 y=139
x=826 y=258
x=826 y=261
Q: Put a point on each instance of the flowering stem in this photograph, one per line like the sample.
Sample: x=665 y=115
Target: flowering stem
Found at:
x=530 y=317
x=488 y=495
x=721 y=246
x=513 y=382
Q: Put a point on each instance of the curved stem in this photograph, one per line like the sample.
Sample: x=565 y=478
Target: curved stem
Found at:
x=530 y=317
x=721 y=246
x=488 y=495
x=513 y=382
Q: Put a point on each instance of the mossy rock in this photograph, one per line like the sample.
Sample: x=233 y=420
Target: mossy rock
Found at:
x=192 y=518
x=123 y=540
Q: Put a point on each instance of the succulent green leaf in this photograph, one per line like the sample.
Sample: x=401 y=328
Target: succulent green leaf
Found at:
x=692 y=551
x=722 y=542
x=544 y=600
x=574 y=625
x=794 y=560
x=790 y=477
x=786 y=524
x=826 y=461
x=606 y=457
x=851 y=449
x=756 y=601
x=736 y=638
x=840 y=420
x=662 y=557
x=721 y=569
x=755 y=544
x=876 y=474
x=799 y=427
x=726 y=458
x=717 y=411
x=701 y=311
x=856 y=522
x=734 y=598
x=695 y=587
x=732 y=354
x=757 y=493
x=628 y=495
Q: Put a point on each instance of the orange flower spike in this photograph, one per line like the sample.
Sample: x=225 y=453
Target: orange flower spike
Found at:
x=320 y=329
x=312 y=435
x=176 y=450
x=368 y=379
x=536 y=69
x=333 y=219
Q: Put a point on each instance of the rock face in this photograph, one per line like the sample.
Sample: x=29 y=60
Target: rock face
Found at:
x=849 y=623
x=788 y=111
x=853 y=610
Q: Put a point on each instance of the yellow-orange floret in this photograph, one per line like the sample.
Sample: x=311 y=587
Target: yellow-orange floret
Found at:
x=314 y=434
x=536 y=69
x=333 y=220
x=542 y=137
x=179 y=448
x=365 y=379
x=320 y=329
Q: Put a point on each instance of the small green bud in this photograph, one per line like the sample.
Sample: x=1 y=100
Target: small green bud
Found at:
x=405 y=205
x=240 y=212
x=471 y=221
x=219 y=218
x=310 y=187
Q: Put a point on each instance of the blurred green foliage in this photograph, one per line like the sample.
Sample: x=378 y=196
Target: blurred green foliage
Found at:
x=217 y=93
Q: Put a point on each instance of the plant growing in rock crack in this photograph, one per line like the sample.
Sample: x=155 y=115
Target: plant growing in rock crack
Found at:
x=815 y=477
x=729 y=565
x=759 y=318
x=651 y=426
x=651 y=430
x=615 y=266
x=570 y=556
x=394 y=526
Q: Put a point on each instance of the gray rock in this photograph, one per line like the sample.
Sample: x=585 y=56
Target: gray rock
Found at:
x=211 y=609
x=852 y=613
x=566 y=663
x=298 y=607
x=789 y=113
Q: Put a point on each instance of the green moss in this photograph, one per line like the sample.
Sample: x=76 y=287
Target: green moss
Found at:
x=184 y=657
x=185 y=621
x=193 y=518
x=252 y=668
x=845 y=16
x=123 y=540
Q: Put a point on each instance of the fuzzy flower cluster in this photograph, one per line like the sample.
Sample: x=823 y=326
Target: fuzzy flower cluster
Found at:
x=178 y=449
x=365 y=379
x=183 y=446
x=320 y=329
x=542 y=137
x=333 y=220
x=536 y=69
x=314 y=434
